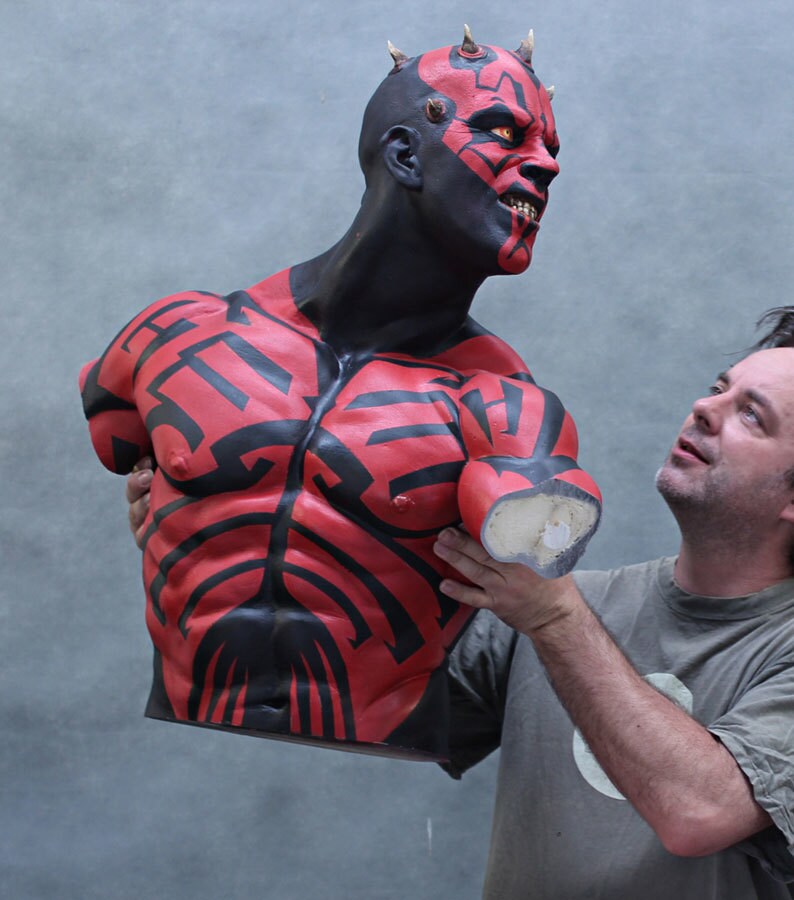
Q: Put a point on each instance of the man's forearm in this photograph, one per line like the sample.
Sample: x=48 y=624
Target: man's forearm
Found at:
x=677 y=775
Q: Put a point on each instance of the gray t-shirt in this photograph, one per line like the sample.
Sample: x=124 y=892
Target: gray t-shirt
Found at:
x=561 y=830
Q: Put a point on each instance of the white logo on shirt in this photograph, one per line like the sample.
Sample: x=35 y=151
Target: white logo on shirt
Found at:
x=589 y=766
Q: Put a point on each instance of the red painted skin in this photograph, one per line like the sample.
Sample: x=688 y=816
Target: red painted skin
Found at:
x=291 y=586
x=509 y=89
x=359 y=522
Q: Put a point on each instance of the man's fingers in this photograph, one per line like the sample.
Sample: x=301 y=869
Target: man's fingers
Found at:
x=140 y=479
x=464 y=554
x=464 y=543
x=138 y=484
x=138 y=534
x=137 y=515
x=145 y=462
x=467 y=594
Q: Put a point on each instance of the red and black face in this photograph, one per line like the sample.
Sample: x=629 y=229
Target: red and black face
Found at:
x=496 y=118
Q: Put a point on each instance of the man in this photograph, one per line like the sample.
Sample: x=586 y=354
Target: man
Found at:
x=314 y=433
x=672 y=775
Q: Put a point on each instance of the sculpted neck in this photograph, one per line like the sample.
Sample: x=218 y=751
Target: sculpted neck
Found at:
x=385 y=286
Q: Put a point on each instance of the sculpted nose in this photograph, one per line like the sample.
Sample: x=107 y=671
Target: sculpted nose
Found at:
x=540 y=176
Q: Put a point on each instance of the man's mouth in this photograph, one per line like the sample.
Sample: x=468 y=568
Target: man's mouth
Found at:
x=521 y=205
x=689 y=448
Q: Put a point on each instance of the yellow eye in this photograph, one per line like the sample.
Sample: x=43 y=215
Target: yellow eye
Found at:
x=503 y=131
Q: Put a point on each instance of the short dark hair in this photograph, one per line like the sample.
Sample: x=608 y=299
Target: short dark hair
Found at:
x=779 y=332
x=779 y=325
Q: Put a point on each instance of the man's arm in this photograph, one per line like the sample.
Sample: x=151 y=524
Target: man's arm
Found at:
x=675 y=773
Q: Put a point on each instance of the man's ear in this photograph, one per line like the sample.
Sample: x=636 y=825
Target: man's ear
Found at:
x=399 y=146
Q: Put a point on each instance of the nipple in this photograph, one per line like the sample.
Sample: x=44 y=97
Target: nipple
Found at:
x=403 y=504
x=177 y=463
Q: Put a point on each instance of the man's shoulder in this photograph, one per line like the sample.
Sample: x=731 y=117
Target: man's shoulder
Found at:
x=637 y=578
x=630 y=571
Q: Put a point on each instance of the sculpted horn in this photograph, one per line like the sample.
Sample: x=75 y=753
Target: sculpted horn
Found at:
x=397 y=55
x=526 y=47
x=435 y=109
x=469 y=47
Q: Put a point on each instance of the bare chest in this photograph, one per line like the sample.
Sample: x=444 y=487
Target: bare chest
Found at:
x=267 y=409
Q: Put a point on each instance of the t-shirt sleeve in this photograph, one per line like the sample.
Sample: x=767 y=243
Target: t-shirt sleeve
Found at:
x=759 y=733
x=479 y=667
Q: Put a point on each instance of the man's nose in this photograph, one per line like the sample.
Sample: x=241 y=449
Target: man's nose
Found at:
x=540 y=175
x=707 y=413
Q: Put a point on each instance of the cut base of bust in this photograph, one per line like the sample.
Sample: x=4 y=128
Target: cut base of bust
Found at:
x=546 y=528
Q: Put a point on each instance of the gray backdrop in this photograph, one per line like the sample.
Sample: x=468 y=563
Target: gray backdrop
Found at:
x=149 y=147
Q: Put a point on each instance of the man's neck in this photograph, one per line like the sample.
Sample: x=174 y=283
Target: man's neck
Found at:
x=729 y=571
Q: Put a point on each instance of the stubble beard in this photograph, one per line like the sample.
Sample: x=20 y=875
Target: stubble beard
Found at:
x=689 y=502
x=714 y=512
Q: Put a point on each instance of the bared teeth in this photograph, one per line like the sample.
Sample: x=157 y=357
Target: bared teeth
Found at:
x=522 y=206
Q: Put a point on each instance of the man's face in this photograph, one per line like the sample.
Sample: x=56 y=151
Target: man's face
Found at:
x=734 y=449
x=499 y=124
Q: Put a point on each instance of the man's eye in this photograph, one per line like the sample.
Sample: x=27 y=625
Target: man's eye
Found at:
x=504 y=131
x=752 y=415
x=715 y=389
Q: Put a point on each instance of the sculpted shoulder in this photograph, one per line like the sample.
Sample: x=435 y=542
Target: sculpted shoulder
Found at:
x=477 y=350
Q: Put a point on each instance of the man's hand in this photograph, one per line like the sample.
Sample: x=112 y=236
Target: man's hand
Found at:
x=139 y=483
x=521 y=598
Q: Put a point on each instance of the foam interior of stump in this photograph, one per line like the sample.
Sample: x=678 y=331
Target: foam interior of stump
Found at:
x=540 y=527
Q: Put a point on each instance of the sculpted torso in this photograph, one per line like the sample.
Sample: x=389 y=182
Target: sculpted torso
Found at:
x=314 y=433
x=288 y=566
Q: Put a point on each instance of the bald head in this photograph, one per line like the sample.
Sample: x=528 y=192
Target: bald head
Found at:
x=470 y=127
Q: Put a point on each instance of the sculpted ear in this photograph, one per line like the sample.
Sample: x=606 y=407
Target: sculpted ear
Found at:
x=399 y=146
